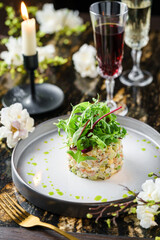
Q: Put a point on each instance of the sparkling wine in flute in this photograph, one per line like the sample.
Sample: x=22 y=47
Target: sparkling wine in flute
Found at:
x=109 y=44
x=137 y=37
x=138 y=23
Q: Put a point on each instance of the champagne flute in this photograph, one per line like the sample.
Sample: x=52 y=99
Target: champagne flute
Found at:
x=108 y=23
x=136 y=37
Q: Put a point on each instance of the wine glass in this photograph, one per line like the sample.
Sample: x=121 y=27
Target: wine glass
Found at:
x=108 y=23
x=136 y=37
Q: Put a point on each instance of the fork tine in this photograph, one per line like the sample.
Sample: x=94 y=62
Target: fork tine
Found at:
x=15 y=208
x=17 y=205
x=9 y=213
x=14 y=213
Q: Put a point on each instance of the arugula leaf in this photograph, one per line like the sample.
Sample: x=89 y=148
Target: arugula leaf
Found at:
x=79 y=157
x=76 y=135
x=95 y=139
x=83 y=143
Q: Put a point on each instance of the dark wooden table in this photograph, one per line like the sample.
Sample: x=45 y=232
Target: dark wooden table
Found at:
x=143 y=104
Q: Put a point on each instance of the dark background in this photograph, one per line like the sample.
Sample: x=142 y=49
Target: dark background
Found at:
x=82 y=6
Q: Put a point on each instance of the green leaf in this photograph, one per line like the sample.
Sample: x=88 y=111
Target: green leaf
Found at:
x=69 y=31
x=150 y=202
x=4 y=40
x=150 y=174
x=115 y=205
x=1 y=5
x=57 y=60
x=125 y=195
x=108 y=221
x=32 y=10
x=122 y=206
x=76 y=135
x=3 y=67
x=132 y=210
x=96 y=139
x=7 y=22
x=131 y=193
x=9 y=9
x=79 y=157
x=114 y=214
x=89 y=215
x=83 y=143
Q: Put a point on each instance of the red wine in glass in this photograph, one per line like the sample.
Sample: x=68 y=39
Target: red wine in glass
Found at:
x=108 y=22
x=109 y=40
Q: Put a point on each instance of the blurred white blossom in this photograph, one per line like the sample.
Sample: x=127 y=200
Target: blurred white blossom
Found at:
x=16 y=124
x=72 y=19
x=14 y=53
x=150 y=192
x=45 y=52
x=85 y=61
x=52 y=20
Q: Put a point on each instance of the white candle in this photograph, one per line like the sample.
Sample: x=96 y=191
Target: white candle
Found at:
x=28 y=28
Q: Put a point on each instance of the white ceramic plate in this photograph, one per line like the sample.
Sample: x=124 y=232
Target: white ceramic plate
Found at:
x=40 y=167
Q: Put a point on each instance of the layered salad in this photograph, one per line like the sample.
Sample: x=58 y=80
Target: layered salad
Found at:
x=94 y=140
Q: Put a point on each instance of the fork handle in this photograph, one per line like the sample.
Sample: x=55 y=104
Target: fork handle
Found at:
x=56 y=229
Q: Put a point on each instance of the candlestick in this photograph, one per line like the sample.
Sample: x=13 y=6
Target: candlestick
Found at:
x=31 y=63
x=36 y=98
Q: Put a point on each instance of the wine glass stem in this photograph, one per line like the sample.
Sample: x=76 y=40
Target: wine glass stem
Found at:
x=136 y=73
x=110 y=82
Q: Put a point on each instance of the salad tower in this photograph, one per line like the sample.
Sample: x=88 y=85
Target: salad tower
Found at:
x=94 y=140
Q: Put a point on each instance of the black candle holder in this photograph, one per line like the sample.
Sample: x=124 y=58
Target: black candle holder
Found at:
x=36 y=98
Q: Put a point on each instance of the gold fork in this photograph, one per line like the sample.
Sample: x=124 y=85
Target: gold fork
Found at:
x=23 y=218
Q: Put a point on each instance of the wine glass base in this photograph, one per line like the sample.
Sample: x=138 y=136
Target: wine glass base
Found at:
x=123 y=111
x=146 y=80
x=48 y=98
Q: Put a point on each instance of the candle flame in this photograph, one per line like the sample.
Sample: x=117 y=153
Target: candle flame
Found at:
x=24 y=11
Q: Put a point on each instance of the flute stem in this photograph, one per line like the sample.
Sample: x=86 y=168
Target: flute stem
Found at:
x=136 y=73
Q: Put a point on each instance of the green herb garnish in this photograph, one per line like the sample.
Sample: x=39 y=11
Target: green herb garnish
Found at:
x=90 y=125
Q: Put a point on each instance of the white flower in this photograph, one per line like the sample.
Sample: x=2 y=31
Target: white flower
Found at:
x=72 y=19
x=84 y=61
x=150 y=192
x=47 y=51
x=52 y=20
x=14 y=53
x=156 y=193
x=148 y=221
x=49 y=21
x=146 y=215
x=16 y=124
x=148 y=187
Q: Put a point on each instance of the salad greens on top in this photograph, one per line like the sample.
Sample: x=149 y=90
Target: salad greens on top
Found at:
x=90 y=125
